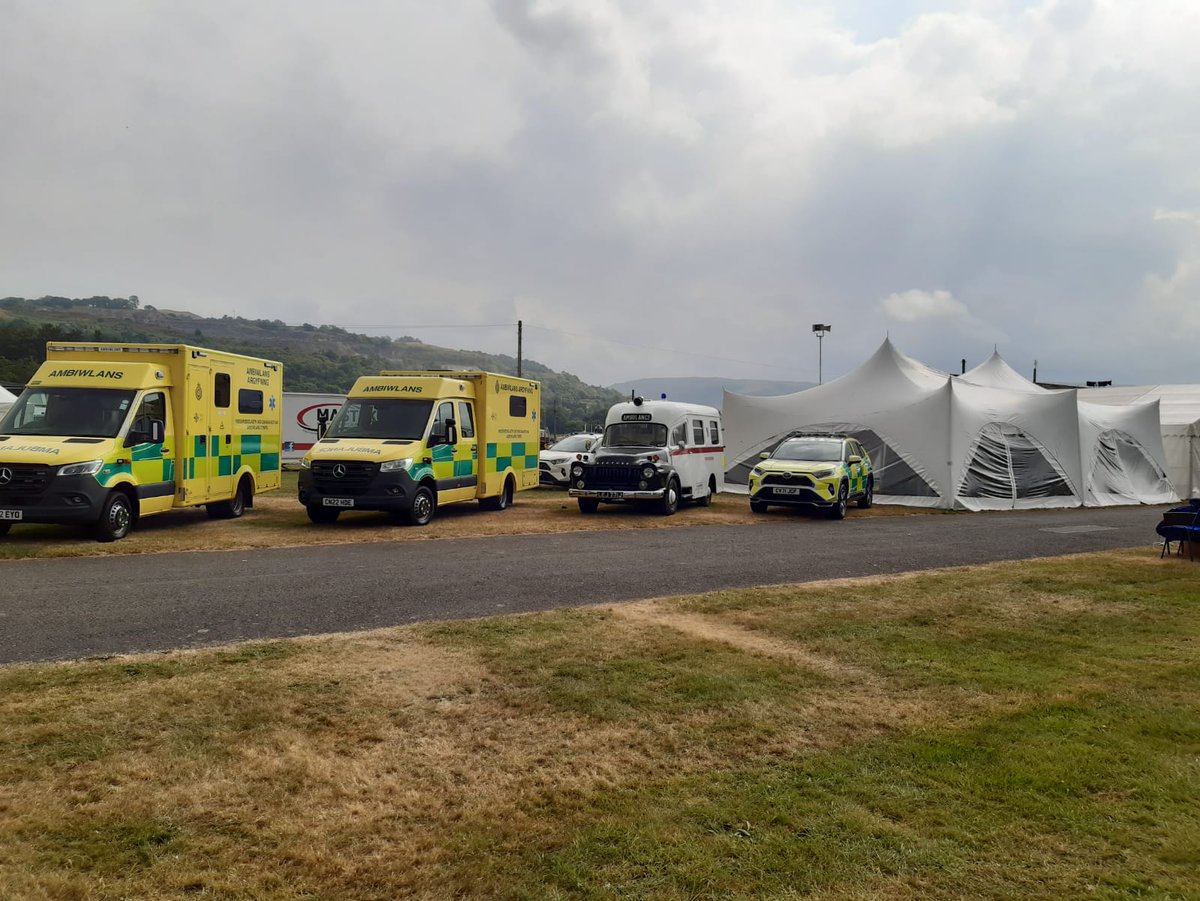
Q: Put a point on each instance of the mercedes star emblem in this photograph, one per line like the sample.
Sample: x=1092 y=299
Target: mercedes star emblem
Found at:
x=339 y=470
x=5 y=475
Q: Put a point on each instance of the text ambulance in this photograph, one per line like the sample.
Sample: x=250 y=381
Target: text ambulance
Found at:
x=107 y=433
x=407 y=442
x=657 y=451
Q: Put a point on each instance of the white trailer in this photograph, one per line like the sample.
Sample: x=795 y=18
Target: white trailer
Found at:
x=303 y=415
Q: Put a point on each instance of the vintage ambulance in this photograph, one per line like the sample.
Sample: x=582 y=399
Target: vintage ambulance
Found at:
x=105 y=434
x=654 y=451
x=408 y=442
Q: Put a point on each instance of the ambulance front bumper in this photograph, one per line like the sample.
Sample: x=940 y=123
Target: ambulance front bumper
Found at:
x=391 y=492
x=52 y=499
x=603 y=494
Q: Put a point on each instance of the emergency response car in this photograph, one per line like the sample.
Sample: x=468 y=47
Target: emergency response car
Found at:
x=409 y=442
x=555 y=461
x=656 y=451
x=105 y=434
x=820 y=471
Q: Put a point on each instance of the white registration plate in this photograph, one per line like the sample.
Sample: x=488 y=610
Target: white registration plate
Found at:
x=12 y=514
x=610 y=495
x=338 y=501
x=787 y=490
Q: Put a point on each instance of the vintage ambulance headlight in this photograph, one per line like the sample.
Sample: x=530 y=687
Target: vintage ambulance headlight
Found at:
x=576 y=470
x=81 y=469
x=396 y=465
x=822 y=473
x=649 y=472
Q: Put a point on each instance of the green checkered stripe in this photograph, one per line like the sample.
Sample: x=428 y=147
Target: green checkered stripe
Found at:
x=147 y=466
x=259 y=452
x=512 y=454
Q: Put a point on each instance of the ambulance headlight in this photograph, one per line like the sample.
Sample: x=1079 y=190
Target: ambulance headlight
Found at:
x=81 y=469
x=649 y=472
x=756 y=472
x=576 y=470
x=396 y=465
x=305 y=463
x=822 y=473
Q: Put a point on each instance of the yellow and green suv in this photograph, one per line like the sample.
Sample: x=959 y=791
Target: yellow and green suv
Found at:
x=818 y=471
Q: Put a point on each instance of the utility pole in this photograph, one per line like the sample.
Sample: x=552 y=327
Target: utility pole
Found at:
x=519 y=337
x=819 y=330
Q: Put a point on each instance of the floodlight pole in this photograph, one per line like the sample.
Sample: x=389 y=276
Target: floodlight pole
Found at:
x=819 y=330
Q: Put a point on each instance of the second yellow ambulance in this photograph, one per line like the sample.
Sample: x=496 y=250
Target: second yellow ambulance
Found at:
x=409 y=442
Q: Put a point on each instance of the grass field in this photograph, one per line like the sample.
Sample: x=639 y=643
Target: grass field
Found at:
x=1012 y=731
x=278 y=520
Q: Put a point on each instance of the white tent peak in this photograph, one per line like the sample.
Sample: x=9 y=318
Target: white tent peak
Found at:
x=995 y=373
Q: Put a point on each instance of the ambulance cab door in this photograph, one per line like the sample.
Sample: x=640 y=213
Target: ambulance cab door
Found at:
x=466 y=452
x=150 y=441
x=220 y=433
x=446 y=447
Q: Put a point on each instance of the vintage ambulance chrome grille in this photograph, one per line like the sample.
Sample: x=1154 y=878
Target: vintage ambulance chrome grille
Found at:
x=604 y=475
x=343 y=477
x=18 y=481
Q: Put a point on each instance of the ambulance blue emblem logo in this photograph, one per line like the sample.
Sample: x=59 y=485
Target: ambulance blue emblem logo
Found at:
x=271 y=402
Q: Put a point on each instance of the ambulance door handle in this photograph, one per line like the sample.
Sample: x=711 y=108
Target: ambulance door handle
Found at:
x=229 y=439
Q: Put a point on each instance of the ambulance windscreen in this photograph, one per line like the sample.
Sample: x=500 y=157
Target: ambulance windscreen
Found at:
x=635 y=434
x=381 y=418
x=68 y=412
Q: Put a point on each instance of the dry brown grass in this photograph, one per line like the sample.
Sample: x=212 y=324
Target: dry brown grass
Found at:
x=438 y=761
x=278 y=520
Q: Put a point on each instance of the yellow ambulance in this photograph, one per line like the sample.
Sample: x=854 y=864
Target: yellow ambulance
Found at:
x=107 y=433
x=409 y=442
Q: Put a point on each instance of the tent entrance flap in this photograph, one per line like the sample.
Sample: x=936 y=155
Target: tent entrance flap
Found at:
x=1008 y=465
x=1123 y=472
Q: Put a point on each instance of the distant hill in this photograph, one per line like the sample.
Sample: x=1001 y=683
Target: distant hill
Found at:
x=708 y=391
x=321 y=358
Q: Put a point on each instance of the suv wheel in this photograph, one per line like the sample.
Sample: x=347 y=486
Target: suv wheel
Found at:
x=868 y=498
x=838 y=510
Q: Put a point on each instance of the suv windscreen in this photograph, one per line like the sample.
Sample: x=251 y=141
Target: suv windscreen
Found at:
x=635 y=434
x=810 y=451
x=383 y=418
x=576 y=444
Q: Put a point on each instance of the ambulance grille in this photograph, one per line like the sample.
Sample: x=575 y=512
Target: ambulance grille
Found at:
x=602 y=475
x=25 y=481
x=356 y=479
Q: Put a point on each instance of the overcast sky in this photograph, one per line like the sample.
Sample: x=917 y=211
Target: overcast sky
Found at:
x=655 y=188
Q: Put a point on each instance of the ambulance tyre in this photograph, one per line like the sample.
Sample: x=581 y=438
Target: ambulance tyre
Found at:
x=4 y=527
x=423 y=505
x=502 y=501
x=116 y=517
x=707 y=498
x=758 y=507
x=232 y=508
x=838 y=510
x=868 y=498
x=588 y=505
x=322 y=515
x=670 y=499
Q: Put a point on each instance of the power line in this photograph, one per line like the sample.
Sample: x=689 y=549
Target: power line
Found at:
x=545 y=328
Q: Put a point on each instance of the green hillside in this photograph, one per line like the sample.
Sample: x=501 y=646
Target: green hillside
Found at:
x=321 y=358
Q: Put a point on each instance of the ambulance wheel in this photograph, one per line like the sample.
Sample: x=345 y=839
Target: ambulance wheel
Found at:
x=232 y=508
x=4 y=527
x=322 y=515
x=707 y=499
x=670 y=499
x=838 y=510
x=423 y=505
x=758 y=507
x=588 y=505
x=116 y=518
x=502 y=501
x=868 y=498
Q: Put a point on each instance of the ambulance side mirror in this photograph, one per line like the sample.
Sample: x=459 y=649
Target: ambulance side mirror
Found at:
x=451 y=432
x=439 y=433
x=152 y=432
x=765 y=455
x=855 y=458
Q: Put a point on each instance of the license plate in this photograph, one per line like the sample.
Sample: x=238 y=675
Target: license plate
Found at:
x=338 y=501
x=610 y=495
x=12 y=514
x=787 y=490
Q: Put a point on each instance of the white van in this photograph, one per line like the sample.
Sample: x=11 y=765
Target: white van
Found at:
x=657 y=451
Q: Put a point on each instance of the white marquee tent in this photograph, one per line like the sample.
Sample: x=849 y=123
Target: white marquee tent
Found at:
x=1179 y=418
x=986 y=440
x=6 y=400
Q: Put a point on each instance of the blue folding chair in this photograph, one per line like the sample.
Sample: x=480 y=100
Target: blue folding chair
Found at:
x=1180 y=525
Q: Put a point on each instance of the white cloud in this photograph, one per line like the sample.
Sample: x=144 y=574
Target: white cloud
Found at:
x=916 y=305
